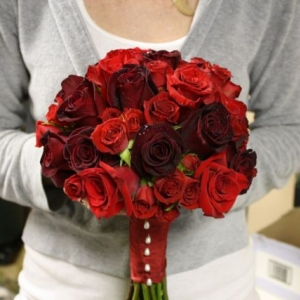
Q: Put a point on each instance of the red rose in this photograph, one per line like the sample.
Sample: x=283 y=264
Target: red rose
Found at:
x=54 y=166
x=112 y=62
x=159 y=71
x=40 y=130
x=189 y=163
x=191 y=193
x=134 y=119
x=172 y=58
x=144 y=204
x=80 y=151
x=73 y=187
x=221 y=77
x=208 y=130
x=169 y=189
x=111 y=136
x=127 y=180
x=106 y=191
x=189 y=86
x=167 y=213
x=156 y=150
x=161 y=108
x=219 y=185
x=129 y=87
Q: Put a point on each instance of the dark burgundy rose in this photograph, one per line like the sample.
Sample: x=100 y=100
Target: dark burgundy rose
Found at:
x=81 y=103
x=245 y=162
x=69 y=86
x=191 y=194
x=144 y=203
x=75 y=83
x=161 y=108
x=167 y=213
x=79 y=109
x=169 y=189
x=80 y=150
x=54 y=166
x=190 y=86
x=129 y=87
x=156 y=150
x=172 y=58
x=208 y=130
x=219 y=185
x=111 y=136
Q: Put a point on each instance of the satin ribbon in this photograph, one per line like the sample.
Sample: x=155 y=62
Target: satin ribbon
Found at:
x=148 y=264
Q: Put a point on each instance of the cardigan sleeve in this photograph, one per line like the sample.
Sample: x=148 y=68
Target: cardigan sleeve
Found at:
x=20 y=171
x=275 y=101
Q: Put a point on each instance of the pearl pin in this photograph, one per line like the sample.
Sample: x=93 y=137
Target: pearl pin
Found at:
x=147 y=252
x=149 y=282
x=148 y=239
x=147 y=268
x=146 y=225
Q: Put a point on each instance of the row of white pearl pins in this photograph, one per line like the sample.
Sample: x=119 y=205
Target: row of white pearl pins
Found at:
x=147 y=251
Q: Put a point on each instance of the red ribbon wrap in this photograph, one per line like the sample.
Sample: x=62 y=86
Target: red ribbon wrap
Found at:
x=158 y=233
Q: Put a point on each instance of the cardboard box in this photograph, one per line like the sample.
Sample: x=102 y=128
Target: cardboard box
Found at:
x=277 y=251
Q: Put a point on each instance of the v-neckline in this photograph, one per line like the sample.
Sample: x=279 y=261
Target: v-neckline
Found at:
x=76 y=38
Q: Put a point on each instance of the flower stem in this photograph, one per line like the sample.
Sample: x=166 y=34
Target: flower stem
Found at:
x=159 y=292
x=165 y=294
x=152 y=292
x=146 y=294
x=136 y=291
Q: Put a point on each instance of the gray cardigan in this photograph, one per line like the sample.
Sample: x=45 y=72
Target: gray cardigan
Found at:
x=41 y=42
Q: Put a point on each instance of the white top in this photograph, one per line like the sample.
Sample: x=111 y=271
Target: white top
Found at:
x=105 y=41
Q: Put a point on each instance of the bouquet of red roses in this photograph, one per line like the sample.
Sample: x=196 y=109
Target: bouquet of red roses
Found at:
x=147 y=133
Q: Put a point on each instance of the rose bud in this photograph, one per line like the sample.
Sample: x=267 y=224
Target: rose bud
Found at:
x=189 y=163
x=169 y=189
x=73 y=188
x=189 y=86
x=111 y=136
x=144 y=203
x=54 y=166
x=80 y=151
x=191 y=193
x=129 y=87
x=159 y=70
x=134 y=119
x=208 y=130
x=161 y=109
x=156 y=150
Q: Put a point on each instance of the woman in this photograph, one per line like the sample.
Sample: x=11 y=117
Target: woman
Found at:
x=70 y=254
